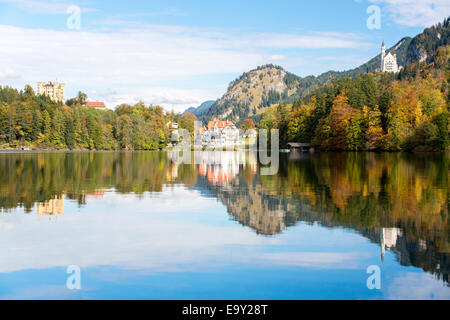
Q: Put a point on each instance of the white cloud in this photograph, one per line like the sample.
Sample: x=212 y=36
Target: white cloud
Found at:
x=142 y=62
x=319 y=41
x=46 y=7
x=414 y=13
x=8 y=74
x=413 y=286
x=169 y=98
x=317 y=260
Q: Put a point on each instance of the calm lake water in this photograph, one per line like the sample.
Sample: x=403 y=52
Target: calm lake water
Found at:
x=141 y=226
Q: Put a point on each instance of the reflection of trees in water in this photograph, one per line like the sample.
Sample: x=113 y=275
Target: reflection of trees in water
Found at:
x=375 y=194
x=28 y=178
x=367 y=192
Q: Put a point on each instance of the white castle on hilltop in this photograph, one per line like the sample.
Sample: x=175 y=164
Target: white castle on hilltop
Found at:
x=388 y=61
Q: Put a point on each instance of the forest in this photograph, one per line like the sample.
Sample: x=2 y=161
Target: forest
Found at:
x=407 y=111
x=36 y=122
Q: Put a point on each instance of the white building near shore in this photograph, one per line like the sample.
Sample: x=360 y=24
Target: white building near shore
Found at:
x=218 y=133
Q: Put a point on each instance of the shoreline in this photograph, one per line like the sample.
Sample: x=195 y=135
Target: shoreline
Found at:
x=5 y=151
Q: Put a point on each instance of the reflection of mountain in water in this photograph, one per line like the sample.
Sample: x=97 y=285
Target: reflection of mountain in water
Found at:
x=400 y=201
x=255 y=203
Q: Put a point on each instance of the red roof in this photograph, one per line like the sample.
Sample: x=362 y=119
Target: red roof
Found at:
x=220 y=124
x=95 y=104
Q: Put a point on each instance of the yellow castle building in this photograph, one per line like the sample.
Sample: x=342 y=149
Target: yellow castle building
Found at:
x=54 y=90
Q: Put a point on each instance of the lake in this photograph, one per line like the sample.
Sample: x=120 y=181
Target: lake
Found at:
x=140 y=225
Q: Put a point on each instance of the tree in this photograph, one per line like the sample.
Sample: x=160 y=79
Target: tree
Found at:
x=95 y=131
x=46 y=125
x=355 y=131
x=187 y=122
x=442 y=122
x=124 y=131
x=301 y=124
x=374 y=131
x=81 y=97
x=247 y=124
x=4 y=122
x=37 y=124
x=340 y=117
x=70 y=131
x=28 y=92
x=58 y=129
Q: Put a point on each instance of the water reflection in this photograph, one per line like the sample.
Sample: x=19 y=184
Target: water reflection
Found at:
x=51 y=207
x=400 y=201
x=222 y=167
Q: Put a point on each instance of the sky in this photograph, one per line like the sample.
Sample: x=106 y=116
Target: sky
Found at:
x=181 y=53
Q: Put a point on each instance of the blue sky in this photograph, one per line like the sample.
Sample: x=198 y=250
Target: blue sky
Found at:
x=180 y=53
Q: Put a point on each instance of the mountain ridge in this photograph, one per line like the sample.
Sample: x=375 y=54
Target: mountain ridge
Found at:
x=201 y=109
x=252 y=92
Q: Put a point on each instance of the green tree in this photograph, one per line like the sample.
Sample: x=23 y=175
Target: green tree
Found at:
x=187 y=122
x=46 y=125
x=37 y=124
x=70 y=131
x=58 y=129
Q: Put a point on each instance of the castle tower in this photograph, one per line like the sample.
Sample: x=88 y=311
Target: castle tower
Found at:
x=388 y=61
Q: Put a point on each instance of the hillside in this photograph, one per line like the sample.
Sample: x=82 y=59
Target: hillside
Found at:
x=424 y=46
x=254 y=91
x=404 y=111
x=201 y=109
x=400 y=49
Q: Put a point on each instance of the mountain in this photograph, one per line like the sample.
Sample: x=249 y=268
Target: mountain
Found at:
x=254 y=91
x=399 y=49
x=201 y=109
x=424 y=46
x=408 y=50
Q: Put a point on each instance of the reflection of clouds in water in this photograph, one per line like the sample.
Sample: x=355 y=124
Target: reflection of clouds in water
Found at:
x=41 y=292
x=155 y=237
x=416 y=286
x=317 y=260
x=6 y=225
x=109 y=233
x=178 y=230
x=225 y=158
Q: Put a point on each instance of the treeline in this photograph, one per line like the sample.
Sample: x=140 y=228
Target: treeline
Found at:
x=376 y=111
x=29 y=120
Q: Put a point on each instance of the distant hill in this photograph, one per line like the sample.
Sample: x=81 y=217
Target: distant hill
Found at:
x=201 y=109
x=408 y=50
x=254 y=91
x=400 y=49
